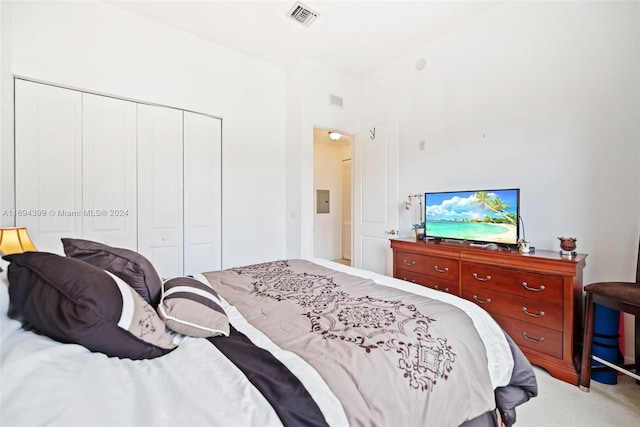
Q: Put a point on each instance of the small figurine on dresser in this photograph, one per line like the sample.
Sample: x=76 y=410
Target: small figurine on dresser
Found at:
x=524 y=246
x=568 y=246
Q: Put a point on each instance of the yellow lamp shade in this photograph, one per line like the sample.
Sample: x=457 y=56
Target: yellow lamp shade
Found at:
x=14 y=240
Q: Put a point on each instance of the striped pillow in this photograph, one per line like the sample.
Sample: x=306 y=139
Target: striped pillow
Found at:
x=192 y=308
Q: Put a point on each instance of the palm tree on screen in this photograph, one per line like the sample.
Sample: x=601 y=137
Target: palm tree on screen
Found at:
x=495 y=204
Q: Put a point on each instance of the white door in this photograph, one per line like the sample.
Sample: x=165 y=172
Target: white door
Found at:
x=160 y=203
x=109 y=171
x=48 y=163
x=202 y=193
x=376 y=197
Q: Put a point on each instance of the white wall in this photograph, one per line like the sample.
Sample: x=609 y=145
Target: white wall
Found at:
x=544 y=96
x=97 y=47
x=308 y=87
x=538 y=95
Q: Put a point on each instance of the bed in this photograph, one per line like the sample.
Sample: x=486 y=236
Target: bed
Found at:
x=297 y=342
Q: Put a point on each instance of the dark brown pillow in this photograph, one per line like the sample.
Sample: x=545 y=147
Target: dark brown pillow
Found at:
x=130 y=266
x=74 y=302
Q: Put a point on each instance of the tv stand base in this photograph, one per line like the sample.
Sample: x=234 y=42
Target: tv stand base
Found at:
x=484 y=245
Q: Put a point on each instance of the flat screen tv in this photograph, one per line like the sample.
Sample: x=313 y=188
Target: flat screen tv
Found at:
x=483 y=216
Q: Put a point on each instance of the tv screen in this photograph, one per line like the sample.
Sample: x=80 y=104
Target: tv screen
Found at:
x=484 y=216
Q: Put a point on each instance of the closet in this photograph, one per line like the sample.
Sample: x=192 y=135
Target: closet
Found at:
x=128 y=174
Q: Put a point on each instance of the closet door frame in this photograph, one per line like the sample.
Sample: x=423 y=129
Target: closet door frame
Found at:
x=70 y=216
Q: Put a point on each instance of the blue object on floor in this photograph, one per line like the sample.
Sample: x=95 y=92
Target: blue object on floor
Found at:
x=605 y=342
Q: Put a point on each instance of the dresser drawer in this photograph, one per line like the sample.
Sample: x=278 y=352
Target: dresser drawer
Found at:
x=428 y=281
x=441 y=268
x=531 y=285
x=542 y=340
x=538 y=312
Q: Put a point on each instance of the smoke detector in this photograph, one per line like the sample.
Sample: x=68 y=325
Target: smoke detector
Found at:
x=302 y=14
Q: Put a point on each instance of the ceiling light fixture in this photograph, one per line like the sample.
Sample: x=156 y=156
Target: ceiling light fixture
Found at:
x=334 y=136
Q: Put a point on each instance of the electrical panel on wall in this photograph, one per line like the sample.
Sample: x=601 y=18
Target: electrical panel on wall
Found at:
x=322 y=201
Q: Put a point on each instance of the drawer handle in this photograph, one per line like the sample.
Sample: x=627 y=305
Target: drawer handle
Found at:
x=538 y=289
x=407 y=280
x=440 y=270
x=528 y=313
x=408 y=263
x=482 y=279
x=437 y=288
x=487 y=301
x=541 y=339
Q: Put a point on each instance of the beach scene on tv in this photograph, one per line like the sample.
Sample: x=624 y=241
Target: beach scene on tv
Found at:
x=480 y=216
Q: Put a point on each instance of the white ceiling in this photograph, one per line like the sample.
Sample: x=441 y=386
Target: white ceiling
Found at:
x=350 y=36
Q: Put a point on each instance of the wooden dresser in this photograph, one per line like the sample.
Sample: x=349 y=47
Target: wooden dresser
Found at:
x=536 y=298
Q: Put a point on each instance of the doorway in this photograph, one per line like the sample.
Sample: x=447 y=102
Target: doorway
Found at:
x=332 y=183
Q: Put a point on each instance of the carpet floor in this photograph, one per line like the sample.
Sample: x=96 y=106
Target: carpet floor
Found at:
x=559 y=404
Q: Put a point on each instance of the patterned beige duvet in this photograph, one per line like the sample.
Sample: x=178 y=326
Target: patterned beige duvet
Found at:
x=392 y=358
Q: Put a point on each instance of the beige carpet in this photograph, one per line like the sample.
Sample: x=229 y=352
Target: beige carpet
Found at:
x=559 y=404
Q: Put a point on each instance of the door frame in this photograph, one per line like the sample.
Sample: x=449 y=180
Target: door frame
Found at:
x=309 y=199
x=307 y=194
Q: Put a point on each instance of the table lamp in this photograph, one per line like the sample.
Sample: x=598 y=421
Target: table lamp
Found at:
x=15 y=240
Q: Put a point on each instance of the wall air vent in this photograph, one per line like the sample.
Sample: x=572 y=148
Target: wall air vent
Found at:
x=335 y=100
x=302 y=14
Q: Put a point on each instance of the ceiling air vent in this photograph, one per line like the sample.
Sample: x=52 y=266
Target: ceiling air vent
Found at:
x=302 y=14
